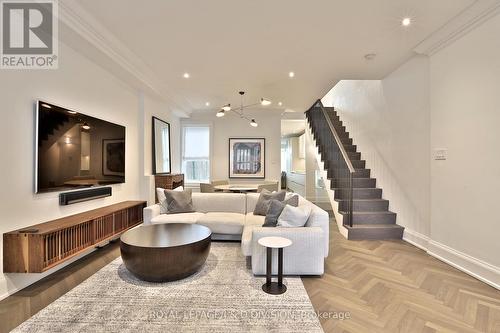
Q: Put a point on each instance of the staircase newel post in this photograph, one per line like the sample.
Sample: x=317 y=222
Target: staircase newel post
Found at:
x=350 y=199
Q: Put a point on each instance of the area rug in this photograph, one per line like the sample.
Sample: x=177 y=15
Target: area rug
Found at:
x=223 y=296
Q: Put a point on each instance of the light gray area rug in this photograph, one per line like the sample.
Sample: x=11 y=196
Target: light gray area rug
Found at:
x=223 y=296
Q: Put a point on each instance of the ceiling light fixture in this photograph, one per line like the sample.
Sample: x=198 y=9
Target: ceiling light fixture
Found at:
x=370 y=56
x=291 y=74
x=86 y=126
x=406 y=22
x=186 y=75
x=46 y=106
x=239 y=110
x=72 y=112
x=207 y=103
x=265 y=102
x=280 y=104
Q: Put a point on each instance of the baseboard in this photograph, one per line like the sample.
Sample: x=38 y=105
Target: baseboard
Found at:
x=477 y=268
x=417 y=239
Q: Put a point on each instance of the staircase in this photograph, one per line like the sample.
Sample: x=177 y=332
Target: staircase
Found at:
x=359 y=208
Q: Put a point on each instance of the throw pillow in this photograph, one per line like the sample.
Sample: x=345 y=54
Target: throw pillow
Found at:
x=264 y=201
x=292 y=200
x=292 y=217
x=274 y=211
x=160 y=194
x=179 y=201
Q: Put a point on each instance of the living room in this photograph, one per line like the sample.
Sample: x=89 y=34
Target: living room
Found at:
x=179 y=167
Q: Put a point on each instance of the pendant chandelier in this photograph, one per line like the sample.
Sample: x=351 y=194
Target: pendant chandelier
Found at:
x=239 y=110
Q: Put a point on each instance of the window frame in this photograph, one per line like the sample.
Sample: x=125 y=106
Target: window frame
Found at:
x=184 y=125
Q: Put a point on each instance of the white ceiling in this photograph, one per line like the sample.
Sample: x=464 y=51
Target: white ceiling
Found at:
x=232 y=45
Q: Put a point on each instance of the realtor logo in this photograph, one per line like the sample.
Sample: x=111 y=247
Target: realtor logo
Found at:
x=29 y=34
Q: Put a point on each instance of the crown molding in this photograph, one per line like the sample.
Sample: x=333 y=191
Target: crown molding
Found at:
x=470 y=18
x=75 y=17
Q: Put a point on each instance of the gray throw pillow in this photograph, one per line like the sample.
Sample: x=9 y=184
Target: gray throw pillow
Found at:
x=265 y=200
x=275 y=209
x=178 y=201
x=292 y=201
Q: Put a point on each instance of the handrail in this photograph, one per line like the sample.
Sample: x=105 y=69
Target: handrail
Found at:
x=337 y=138
x=341 y=154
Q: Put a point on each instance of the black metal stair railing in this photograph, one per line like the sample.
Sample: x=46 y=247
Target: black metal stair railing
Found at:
x=333 y=154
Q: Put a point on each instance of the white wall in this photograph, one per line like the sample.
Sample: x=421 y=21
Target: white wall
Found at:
x=389 y=122
x=465 y=115
x=231 y=126
x=298 y=163
x=81 y=85
x=149 y=107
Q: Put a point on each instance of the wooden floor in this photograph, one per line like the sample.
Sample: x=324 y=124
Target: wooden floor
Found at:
x=22 y=305
x=385 y=286
x=392 y=286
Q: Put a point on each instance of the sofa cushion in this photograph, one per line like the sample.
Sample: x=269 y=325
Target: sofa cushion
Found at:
x=292 y=217
x=291 y=199
x=251 y=219
x=265 y=200
x=160 y=195
x=178 y=201
x=223 y=223
x=246 y=238
x=252 y=199
x=219 y=202
x=177 y=218
x=275 y=209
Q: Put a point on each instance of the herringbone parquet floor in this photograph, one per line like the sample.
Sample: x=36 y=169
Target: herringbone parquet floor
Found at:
x=392 y=286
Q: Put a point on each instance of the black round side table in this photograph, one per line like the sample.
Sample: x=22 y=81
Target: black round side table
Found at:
x=270 y=243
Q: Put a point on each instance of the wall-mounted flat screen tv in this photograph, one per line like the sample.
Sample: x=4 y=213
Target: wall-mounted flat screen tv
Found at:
x=75 y=151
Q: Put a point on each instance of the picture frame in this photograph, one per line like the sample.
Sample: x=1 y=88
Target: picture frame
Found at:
x=247 y=158
x=113 y=157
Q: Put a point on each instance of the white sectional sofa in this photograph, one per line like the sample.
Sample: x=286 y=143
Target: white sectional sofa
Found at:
x=230 y=216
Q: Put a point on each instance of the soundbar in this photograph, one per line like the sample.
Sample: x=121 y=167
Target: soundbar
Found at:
x=68 y=198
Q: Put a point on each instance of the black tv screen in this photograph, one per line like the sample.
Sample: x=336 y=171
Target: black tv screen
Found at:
x=75 y=151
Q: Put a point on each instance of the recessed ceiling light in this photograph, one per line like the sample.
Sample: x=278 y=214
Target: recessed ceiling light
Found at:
x=280 y=104
x=291 y=74
x=46 y=106
x=72 y=112
x=207 y=103
x=186 y=75
x=406 y=22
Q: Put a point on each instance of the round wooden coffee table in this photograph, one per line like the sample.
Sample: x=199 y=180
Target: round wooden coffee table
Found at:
x=165 y=252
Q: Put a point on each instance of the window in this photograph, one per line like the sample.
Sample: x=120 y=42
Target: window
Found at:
x=196 y=153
